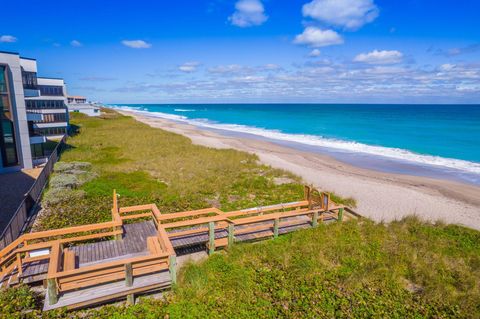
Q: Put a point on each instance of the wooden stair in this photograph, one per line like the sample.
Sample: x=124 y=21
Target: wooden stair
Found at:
x=221 y=242
x=109 y=292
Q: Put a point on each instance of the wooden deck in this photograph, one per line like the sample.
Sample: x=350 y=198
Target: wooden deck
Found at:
x=133 y=242
x=91 y=264
x=111 y=291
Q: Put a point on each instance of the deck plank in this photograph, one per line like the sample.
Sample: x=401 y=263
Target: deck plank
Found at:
x=110 y=291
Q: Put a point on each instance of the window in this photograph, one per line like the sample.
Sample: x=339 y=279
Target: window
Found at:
x=45 y=104
x=3 y=79
x=29 y=80
x=7 y=143
x=37 y=151
x=52 y=118
x=50 y=131
x=50 y=90
x=8 y=147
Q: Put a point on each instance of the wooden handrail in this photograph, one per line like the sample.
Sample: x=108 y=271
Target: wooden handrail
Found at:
x=55 y=232
x=53 y=266
x=92 y=268
x=136 y=208
x=191 y=213
x=264 y=209
x=192 y=222
x=69 y=230
x=163 y=238
x=273 y=216
x=156 y=212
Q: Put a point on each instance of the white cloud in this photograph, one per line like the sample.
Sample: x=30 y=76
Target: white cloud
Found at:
x=8 y=38
x=189 y=67
x=271 y=67
x=447 y=67
x=249 y=79
x=76 y=43
x=248 y=13
x=228 y=69
x=348 y=14
x=468 y=88
x=136 y=44
x=316 y=37
x=314 y=53
x=380 y=57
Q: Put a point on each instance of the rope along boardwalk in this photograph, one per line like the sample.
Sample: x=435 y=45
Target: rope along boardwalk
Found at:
x=137 y=251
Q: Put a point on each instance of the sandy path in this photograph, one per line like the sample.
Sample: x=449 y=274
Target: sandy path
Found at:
x=380 y=196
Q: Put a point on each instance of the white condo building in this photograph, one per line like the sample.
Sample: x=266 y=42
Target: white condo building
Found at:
x=32 y=110
x=79 y=104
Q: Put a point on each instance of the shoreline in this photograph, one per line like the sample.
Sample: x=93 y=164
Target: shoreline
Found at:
x=380 y=196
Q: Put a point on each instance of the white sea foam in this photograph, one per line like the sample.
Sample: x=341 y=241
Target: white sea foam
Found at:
x=313 y=140
x=184 y=110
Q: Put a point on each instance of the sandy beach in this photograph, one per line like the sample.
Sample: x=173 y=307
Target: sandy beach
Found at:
x=380 y=196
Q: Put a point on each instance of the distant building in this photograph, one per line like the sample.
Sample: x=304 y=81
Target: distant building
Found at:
x=86 y=108
x=32 y=111
x=79 y=104
x=76 y=99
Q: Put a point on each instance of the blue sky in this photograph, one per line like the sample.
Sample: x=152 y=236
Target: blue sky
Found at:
x=345 y=51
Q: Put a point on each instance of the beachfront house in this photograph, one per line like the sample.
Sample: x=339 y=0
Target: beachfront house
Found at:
x=79 y=104
x=33 y=112
x=75 y=99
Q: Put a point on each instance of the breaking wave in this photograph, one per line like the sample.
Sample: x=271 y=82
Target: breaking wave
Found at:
x=314 y=140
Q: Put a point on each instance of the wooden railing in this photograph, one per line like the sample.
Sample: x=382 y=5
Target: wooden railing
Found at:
x=63 y=276
x=21 y=215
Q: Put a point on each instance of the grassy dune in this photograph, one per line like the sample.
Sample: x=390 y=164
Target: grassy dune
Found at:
x=148 y=165
x=405 y=269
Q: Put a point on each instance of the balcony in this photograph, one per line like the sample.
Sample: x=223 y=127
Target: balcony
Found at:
x=31 y=92
x=38 y=139
x=34 y=116
x=51 y=124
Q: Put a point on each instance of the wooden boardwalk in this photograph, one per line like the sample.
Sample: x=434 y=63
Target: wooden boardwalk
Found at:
x=133 y=243
x=91 y=264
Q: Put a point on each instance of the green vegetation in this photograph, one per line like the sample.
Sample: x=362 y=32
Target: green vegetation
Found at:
x=148 y=165
x=406 y=269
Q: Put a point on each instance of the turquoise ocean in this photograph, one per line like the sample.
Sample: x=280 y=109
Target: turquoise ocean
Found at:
x=439 y=141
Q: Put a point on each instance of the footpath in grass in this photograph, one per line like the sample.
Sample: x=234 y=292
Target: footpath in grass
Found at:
x=406 y=269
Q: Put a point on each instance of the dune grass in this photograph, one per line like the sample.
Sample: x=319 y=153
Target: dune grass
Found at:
x=148 y=165
x=405 y=269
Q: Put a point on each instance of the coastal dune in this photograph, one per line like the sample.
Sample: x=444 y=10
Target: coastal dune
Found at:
x=379 y=196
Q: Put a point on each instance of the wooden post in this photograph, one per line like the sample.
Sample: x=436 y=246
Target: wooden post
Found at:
x=308 y=196
x=52 y=291
x=231 y=234
x=115 y=212
x=19 y=264
x=211 y=238
x=325 y=200
x=129 y=282
x=172 y=264
x=276 y=223
x=340 y=214
x=315 y=219
x=130 y=299
x=128 y=275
